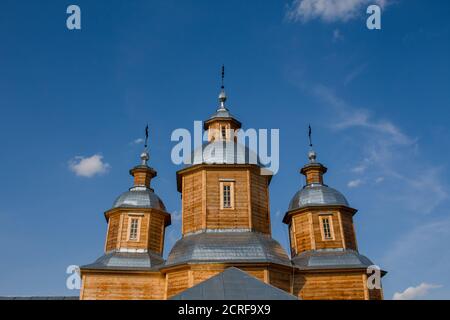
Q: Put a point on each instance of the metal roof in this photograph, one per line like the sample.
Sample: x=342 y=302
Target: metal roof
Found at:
x=226 y=246
x=126 y=261
x=224 y=152
x=331 y=259
x=222 y=113
x=139 y=197
x=233 y=284
x=317 y=195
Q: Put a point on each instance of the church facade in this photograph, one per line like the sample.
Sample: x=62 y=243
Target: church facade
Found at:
x=226 y=224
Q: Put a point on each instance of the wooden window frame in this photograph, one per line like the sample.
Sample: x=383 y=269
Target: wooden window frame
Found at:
x=223 y=132
x=329 y=217
x=231 y=185
x=138 y=231
x=224 y=128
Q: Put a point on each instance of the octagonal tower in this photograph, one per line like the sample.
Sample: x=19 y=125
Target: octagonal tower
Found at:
x=323 y=242
x=225 y=213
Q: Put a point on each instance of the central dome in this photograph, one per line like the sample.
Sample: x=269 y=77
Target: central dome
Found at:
x=224 y=152
x=317 y=195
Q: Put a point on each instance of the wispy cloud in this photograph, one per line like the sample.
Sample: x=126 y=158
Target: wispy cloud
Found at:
x=354 y=183
x=413 y=293
x=88 y=166
x=389 y=153
x=355 y=73
x=137 y=141
x=329 y=10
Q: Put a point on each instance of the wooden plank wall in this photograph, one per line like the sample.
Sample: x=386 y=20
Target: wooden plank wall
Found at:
x=330 y=286
x=123 y=286
x=156 y=233
x=113 y=231
x=259 y=203
x=192 y=202
x=177 y=281
x=143 y=232
x=217 y=218
x=280 y=279
x=302 y=229
x=375 y=294
x=327 y=244
x=348 y=230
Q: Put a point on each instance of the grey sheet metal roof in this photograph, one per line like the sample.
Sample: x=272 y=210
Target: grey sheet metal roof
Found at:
x=139 y=197
x=126 y=261
x=317 y=195
x=222 y=113
x=224 y=152
x=233 y=284
x=331 y=259
x=223 y=247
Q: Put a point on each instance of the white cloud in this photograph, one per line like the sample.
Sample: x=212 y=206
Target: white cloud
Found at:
x=137 y=141
x=413 y=293
x=88 y=167
x=359 y=169
x=329 y=10
x=354 y=183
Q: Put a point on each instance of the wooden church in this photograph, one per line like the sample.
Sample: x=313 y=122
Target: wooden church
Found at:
x=226 y=250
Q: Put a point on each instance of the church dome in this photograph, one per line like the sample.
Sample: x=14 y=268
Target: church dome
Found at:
x=227 y=246
x=139 y=197
x=317 y=195
x=224 y=152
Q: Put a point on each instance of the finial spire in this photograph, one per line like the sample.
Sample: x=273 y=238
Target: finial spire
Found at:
x=223 y=76
x=222 y=95
x=144 y=155
x=311 y=154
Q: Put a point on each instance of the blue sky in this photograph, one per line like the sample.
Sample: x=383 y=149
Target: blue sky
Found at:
x=378 y=102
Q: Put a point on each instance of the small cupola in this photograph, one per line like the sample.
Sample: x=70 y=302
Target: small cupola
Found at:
x=313 y=171
x=222 y=125
x=142 y=173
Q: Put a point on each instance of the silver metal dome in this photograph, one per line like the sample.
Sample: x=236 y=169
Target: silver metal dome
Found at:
x=317 y=195
x=224 y=152
x=139 y=197
x=227 y=246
